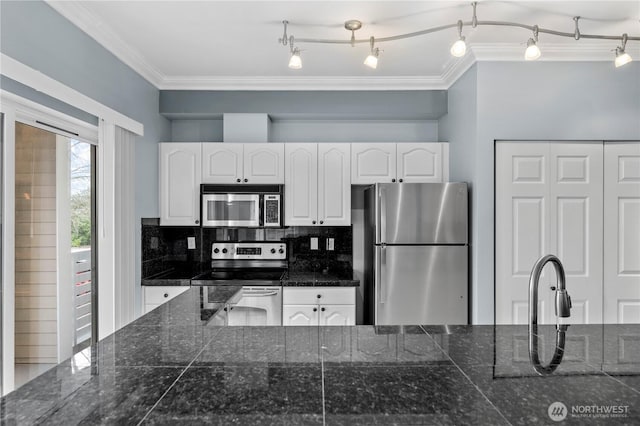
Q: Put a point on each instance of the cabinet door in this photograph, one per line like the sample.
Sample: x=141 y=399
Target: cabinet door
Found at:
x=180 y=177
x=264 y=163
x=155 y=296
x=334 y=184
x=337 y=315
x=373 y=163
x=222 y=162
x=419 y=162
x=300 y=315
x=301 y=184
x=621 y=233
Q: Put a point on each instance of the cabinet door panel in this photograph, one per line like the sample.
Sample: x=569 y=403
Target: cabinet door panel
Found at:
x=334 y=184
x=419 y=162
x=337 y=315
x=372 y=163
x=180 y=177
x=303 y=315
x=301 y=184
x=222 y=162
x=264 y=163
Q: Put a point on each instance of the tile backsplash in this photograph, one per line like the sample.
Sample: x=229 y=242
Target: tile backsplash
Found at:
x=165 y=247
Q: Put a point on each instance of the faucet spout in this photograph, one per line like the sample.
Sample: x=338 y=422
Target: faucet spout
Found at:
x=563 y=300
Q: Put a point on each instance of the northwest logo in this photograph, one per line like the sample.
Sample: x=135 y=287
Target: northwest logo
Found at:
x=557 y=411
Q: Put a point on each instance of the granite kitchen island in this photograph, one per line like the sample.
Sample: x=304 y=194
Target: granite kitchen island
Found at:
x=174 y=365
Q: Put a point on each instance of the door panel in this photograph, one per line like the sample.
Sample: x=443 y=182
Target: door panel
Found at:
x=422 y=206
x=300 y=315
x=180 y=175
x=622 y=233
x=264 y=163
x=421 y=285
x=301 y=182
x=334 y=184
x=419 y=162
x=372 y=163
x=222 y=162
x=337 y=314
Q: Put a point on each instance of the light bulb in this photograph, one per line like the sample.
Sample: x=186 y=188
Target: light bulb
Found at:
x=459 y=48
x=622 y=58
x=372 y=60
x=295 y=62
x=533 y=51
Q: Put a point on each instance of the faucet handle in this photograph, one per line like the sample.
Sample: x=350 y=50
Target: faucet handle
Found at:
x=563 y=304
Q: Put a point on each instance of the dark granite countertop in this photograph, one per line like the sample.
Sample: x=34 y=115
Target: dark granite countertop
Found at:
x=291 y=279
x=175 y=365
x=317 y=279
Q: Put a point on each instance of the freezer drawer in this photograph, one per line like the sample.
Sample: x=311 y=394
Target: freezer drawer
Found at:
x=420 y=285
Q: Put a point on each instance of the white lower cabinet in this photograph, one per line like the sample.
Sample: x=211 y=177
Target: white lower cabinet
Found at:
x=309 y=306
x=156 y=296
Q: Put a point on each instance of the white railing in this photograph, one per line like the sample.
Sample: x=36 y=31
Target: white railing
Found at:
x=81 y=267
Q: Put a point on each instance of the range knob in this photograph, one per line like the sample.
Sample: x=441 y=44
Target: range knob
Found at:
x=224 y=250
x=273 y=250
x=281 y=251
x=216 y=250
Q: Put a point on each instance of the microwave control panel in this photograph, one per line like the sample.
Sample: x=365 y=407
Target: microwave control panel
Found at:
x=271 y=210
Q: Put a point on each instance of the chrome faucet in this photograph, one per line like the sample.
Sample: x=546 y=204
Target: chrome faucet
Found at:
x=563 y=309
x=563 y=300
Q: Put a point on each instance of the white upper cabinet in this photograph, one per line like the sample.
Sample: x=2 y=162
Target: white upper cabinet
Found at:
x=401 y=162
x=222 y=162
x=419 y=162
x=264 y=163
x=317 y=184
x=180 y=177
x=372 y=163
x=334 y=184
x=301 y=184
x=243 y=163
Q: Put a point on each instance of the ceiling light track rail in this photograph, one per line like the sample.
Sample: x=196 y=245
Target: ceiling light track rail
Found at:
x=459 y=47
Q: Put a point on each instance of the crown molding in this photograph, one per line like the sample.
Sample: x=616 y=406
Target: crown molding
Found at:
x=303 y=83
x=92 y=25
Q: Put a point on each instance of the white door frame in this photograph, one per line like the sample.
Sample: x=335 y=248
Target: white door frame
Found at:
x=16 y=108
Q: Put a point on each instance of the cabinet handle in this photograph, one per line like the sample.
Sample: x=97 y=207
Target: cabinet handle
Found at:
x=322 y=309
x=238 y=180
x=400 y=180
x=393 y=180
x=319 y=296
x=313 y=222
x=197 y=221
x=315 y=309
x=321 y=222
x=166 y=295
x=246 y=180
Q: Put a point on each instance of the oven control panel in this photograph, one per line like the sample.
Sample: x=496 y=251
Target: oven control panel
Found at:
x=249 y=251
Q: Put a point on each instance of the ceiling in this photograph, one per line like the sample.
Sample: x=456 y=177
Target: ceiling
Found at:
x=221 y=45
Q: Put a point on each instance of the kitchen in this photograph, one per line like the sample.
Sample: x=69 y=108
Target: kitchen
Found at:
x=492 y=100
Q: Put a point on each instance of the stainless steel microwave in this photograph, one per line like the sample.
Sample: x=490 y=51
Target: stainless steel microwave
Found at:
x=241 y=206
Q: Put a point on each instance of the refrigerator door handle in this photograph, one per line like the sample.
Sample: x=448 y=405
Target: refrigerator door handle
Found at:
x=382 y=267
x=382 y=215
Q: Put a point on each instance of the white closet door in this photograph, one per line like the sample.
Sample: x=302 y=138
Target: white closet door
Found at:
x=521 y=227
x=575 y=218
x=622 y=233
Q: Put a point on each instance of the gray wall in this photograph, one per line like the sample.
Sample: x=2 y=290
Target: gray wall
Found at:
x=36 y=35
x=536 y=101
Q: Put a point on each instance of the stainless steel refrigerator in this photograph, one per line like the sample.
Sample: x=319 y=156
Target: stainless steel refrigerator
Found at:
x=416 y=253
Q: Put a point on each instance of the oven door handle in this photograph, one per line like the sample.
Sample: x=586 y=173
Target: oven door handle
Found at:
x=259 y=293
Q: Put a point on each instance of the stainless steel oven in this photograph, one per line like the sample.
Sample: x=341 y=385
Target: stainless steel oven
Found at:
x=250 y=206
x=256 y=266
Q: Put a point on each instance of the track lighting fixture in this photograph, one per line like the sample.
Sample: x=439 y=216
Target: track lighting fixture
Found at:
x=533 y=51
x=622 y=57
x=459 y=47
x=295 y=61
x=372 y=60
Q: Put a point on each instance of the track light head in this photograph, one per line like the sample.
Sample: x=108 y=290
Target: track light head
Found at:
x=533 y=51
x=295 y=62
x=372 y=60
x=622 y=57
x=459 y=48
